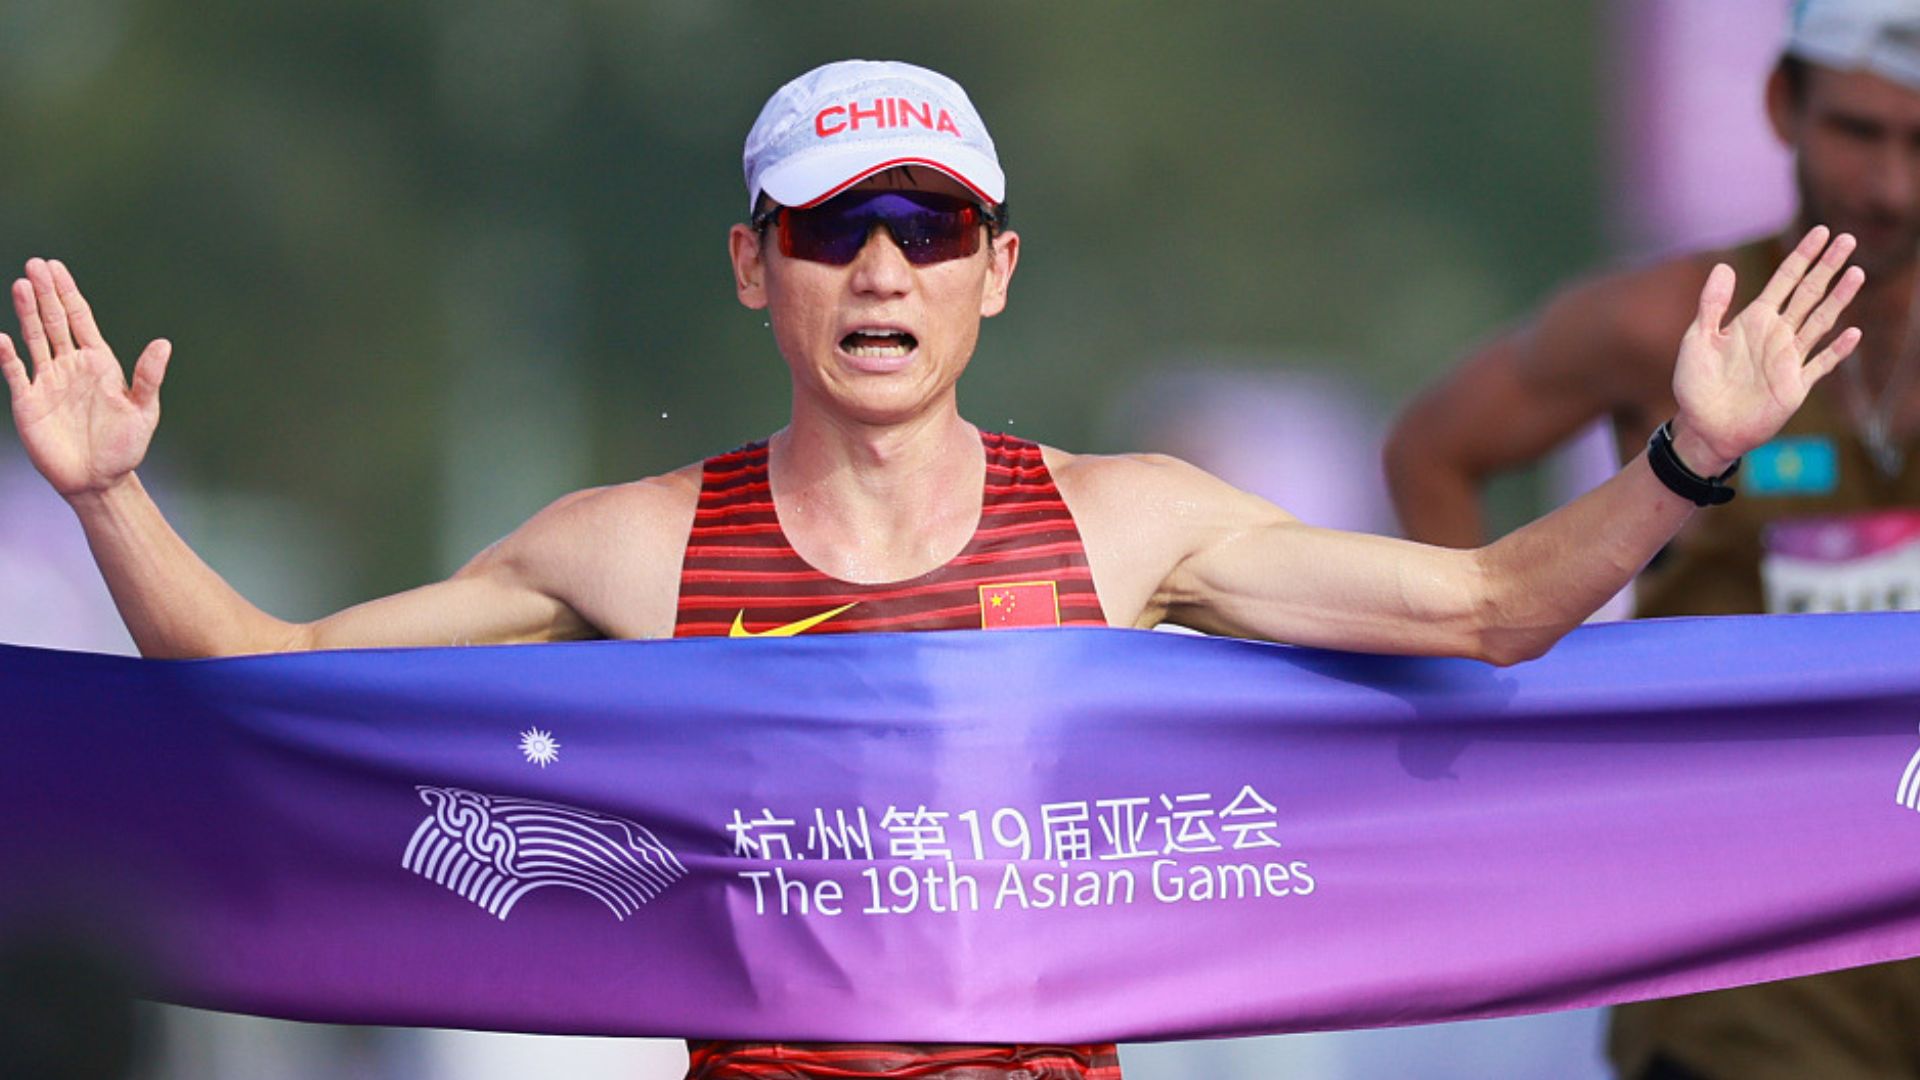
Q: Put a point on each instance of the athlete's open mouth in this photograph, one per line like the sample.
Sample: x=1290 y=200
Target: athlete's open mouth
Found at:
x=878 y=343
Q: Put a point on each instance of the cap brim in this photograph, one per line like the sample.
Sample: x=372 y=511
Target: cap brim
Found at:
x=810 y=178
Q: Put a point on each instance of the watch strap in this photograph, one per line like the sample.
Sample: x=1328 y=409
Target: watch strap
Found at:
x=1682 y=481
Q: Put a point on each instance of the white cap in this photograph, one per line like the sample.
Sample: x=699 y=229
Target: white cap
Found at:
x=842 y=122
x=1879 y=36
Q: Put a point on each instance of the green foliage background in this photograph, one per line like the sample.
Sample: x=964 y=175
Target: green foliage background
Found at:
x=290 y=191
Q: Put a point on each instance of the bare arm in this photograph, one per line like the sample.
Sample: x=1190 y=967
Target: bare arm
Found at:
x=175 y=605
x=1601 y=347
x=1263 y=574
x=86 y=429
x=1241 y=566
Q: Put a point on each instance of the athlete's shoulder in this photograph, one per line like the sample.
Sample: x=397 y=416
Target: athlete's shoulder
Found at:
x=1648 y=305
x=646 y=519
x=1142 y=516
x=1067 y=466
x=1613 y=336
x=636 y=503
x=1145 y=489
x=611 y=553
x=1643 y=302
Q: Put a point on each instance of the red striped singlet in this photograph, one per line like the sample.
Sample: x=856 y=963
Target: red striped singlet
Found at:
x=1023 y=566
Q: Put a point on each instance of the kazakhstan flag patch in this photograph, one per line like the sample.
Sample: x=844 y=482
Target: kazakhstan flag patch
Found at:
x=1798 y=465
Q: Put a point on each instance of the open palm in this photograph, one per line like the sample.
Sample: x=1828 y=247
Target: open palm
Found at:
x=84 y=427
x=1737 y=383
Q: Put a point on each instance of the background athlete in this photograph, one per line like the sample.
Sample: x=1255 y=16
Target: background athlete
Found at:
x=1823 y=511
x=876 y=246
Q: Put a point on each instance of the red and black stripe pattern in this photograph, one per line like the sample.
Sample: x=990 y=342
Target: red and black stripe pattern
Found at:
x=1024 y=565
x=877 y=1061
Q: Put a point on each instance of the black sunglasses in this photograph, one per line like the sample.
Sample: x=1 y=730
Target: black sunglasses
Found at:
x=928 y=227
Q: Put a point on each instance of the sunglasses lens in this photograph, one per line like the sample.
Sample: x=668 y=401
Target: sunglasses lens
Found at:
x=935 y=235
x=928 y=228
x=817 y=235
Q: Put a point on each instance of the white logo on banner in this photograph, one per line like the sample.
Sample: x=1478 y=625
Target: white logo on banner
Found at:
x=495 y=849
x=1909 y=793
x=540 y=747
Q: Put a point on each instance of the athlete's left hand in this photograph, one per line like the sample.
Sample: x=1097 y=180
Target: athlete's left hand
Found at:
x=1737 y=384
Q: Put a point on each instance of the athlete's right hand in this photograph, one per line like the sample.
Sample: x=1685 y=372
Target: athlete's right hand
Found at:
x=83 y=427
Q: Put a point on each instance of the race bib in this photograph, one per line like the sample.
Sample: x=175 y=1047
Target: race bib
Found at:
x=1856 y=562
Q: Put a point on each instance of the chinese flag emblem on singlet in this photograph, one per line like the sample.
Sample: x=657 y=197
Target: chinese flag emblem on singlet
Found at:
x=1007 y=605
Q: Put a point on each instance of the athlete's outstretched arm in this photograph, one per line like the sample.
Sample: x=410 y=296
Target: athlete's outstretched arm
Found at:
x=1254 y=571
x=87 y=429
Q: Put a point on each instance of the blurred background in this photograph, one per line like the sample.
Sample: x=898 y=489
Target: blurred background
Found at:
x=429 y=265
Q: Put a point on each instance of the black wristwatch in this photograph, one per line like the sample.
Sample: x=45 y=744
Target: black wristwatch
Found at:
x=1682 y=481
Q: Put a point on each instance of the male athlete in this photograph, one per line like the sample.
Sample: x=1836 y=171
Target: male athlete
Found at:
x=1829 y=512
x=876 y=244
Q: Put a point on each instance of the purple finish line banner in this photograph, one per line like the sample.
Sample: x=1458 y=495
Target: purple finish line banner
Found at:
x=1035 y=836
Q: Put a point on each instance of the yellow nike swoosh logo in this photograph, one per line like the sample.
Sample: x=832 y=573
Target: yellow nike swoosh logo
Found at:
x=789 y=630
